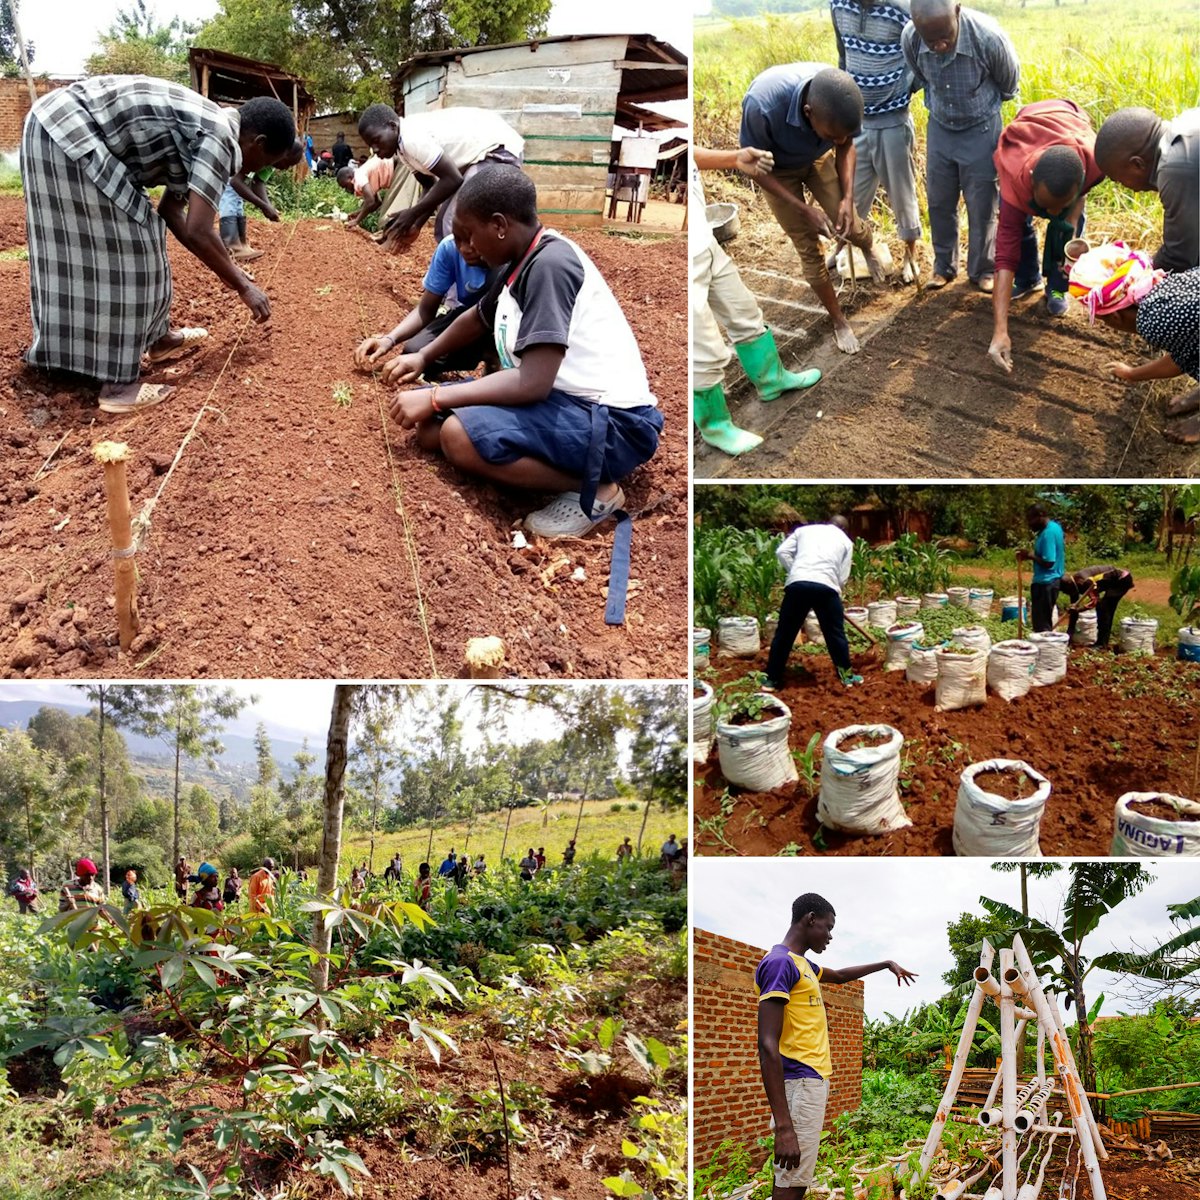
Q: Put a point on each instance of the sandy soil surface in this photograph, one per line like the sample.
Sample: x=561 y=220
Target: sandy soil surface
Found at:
x=922 y=399
x=278 y=547
x=1115 y=724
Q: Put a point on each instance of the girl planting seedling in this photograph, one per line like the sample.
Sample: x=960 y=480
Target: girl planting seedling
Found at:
x=571 y=410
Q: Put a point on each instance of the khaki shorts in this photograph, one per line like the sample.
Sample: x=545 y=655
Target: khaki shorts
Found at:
x=806 y=1102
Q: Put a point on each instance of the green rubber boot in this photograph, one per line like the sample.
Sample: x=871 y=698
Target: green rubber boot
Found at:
x=760 y=360
x=711 y=414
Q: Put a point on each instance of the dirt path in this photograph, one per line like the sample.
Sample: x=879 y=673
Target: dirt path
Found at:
x=1113 y=725
x=922 y=400
x=277 y=548
x=1145 y=590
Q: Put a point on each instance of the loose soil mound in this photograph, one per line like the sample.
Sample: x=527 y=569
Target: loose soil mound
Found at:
x=1114 y=725
x=1006 y=785
x=277 y=548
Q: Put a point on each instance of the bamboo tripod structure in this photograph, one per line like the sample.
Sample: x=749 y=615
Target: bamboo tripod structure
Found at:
x=1022 y=1109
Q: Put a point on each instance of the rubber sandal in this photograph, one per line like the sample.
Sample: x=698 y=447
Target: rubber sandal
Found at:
x=148 y=395
x=935 y=283
x=191 y=339
x=563 y=517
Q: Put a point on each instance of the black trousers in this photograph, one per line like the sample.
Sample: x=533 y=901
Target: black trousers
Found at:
x=1110 y=593
x=1041 y=603
x=799 y=599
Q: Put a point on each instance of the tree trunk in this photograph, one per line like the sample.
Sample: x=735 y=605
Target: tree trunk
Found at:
x=1087 y=1072
x=650 y=794
x=175 y=836
x=587 y=787
x=334 y=803
x=374 y=821
x=507 y=823
x=429 y=848
x=1024 y=893
x=104 y=799
x=16 y=24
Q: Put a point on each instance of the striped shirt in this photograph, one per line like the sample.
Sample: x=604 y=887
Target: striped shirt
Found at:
x=965 y=87
x=868 y=41
x=131 y=132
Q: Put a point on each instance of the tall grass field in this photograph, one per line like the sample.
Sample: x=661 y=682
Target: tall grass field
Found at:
x=1103 y=54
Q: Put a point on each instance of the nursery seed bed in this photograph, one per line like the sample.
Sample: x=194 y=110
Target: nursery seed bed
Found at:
x=277 y=549
x=1114 y=725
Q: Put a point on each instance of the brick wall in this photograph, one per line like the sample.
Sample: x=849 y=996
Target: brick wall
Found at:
x=727 y=1094
x=14 y=106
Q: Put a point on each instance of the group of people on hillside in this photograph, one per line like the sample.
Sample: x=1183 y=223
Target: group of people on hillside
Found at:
x=820 y=140
x=564 y=404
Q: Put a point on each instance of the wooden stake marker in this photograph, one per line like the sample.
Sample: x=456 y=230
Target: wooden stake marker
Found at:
x=113 y=456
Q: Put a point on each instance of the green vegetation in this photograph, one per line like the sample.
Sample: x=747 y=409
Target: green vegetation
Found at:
x=1104 y=56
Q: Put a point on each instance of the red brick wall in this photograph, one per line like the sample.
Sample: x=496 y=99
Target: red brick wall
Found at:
x=14 y=106
x=727 y=1094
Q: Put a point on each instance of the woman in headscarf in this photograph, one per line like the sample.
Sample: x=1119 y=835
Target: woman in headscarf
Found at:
x=1123 y=289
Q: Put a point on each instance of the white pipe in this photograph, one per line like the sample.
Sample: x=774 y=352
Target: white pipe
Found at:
x=1013 y=978
x=1023 y=1122
x=1026 y=1013
x=995 y=1088
x=952 y=1190
x=984 y=980
x=989 y=1117
x=1008 y=1086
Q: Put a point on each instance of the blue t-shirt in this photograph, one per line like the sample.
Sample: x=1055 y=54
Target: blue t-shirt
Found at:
x=449 y=269
x=1052 y=547
x=447 y=867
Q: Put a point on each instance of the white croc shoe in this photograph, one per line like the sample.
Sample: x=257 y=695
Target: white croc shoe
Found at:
x=563 y=517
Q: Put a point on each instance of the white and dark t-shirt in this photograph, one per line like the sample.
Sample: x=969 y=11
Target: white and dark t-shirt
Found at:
x=557 y=297
x=464 y=135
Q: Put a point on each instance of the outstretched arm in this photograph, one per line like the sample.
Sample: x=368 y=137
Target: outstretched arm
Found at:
x=849 y=974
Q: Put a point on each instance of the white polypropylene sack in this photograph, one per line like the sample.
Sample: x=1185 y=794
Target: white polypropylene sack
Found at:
x=812 y=630
x=980 y=601
x=1137 y=634
x=907 y=606
x=1010 y=668
x=974 y=636
x=701 y=644
x=900 y=639
x=1140 y=836
x=1051 y=659
x=922 y=665
x=934 y=600
x=769 y=626
x=858 y=787
x=757 y=757
x=961 y=679
x=702 y=723
x=881 y=614
x=738 y=636
x=1187 y=649
x=958 y=596
x=989 y=826
x=1085 y=630
x=858 y=615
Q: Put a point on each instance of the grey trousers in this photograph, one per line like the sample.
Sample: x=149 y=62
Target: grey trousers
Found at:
x=885 y=156
x=959 y=162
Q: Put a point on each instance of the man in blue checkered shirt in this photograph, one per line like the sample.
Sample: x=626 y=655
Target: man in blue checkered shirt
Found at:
x=868 y=40
x=967 y=67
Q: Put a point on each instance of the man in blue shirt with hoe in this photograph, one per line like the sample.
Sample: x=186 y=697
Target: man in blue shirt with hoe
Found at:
x=1049 y=558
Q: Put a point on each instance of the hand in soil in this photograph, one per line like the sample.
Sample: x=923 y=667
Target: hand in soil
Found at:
x=408 y=408
x=847 y=343
x=1189 y=402
x=406 y=368
x=1185 y=432
x=255 y=299
x=370 y=350
x=1000 y=352
x=1120 y=370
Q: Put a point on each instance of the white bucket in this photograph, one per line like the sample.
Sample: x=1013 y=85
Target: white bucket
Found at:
x=935 y=600
x=701 y=644
x=757 y=757
x=1051 y=659
x=1137 y=634
x=1138 y=835
x=979 y=601
x=961 y=679
x=988 y=826
x=702 y=723
x=900 y=639
x=859 y=791
x=907 y=606
x=738 y=636
x=1085 y=629
x=1010 y=609
x=1010 y=668
x=1187 y=649
x=881 y=614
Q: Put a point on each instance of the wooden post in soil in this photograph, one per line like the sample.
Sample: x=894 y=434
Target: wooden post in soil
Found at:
x=113 y=456
x=1020 y=601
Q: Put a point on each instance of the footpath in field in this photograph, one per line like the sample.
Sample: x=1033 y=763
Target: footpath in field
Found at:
x=922 y=399
x=278 y=547
x=1114 y=724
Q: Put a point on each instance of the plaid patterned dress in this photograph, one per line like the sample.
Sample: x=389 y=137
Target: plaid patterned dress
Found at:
x=99 y=282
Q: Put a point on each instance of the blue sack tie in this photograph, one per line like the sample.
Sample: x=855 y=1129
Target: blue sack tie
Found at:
x=618 y=571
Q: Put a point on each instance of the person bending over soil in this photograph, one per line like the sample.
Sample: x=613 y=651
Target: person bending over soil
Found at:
x=99 y=280
x=368 y=181
x=456 y=277
x=571 y=410
x=793 y=1038
x=251 y=186
x=1100 y=587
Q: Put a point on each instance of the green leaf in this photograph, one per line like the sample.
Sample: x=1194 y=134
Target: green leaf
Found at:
x=172 y=971
x=205 y=972
x=622 y=1186
x=629 y=1149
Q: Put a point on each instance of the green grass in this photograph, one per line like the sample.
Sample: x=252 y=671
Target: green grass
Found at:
x=15 y=254
x=600 y=833
x=10 y=179
x=1104 y=55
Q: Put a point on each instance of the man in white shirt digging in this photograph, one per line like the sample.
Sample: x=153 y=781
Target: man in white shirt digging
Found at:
x=817 y=560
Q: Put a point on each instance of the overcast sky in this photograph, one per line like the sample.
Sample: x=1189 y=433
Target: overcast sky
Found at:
x=898 y=908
